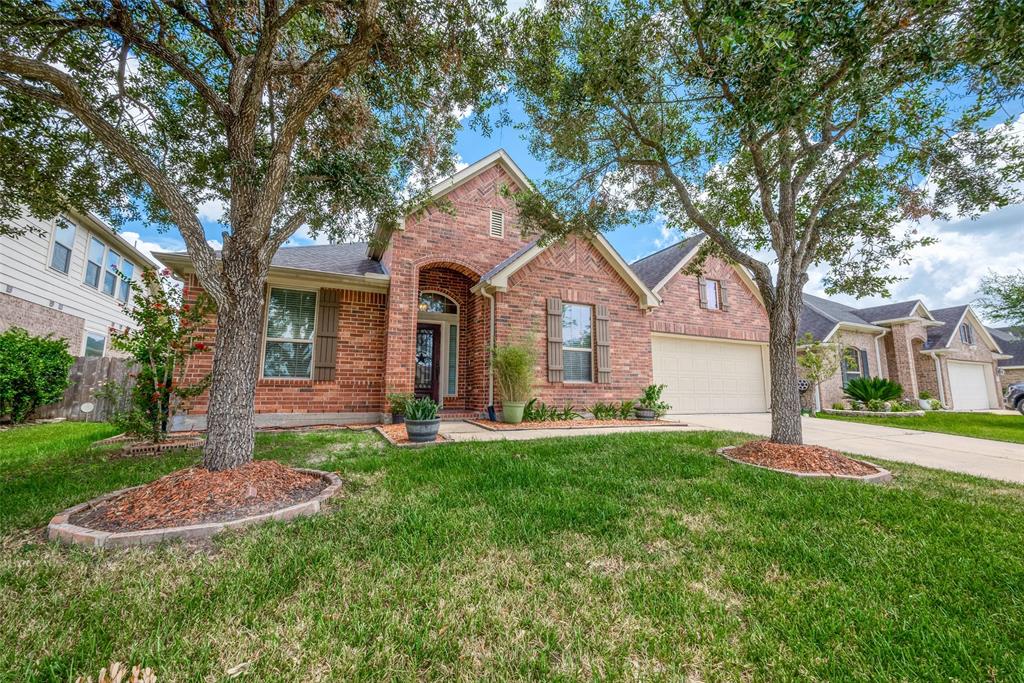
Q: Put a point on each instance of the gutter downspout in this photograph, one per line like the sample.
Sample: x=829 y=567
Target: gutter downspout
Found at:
x=490 y=365
x=878 y=355
x=938 y=377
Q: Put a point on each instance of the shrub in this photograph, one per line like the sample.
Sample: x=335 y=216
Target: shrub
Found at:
x=566 y=413
x=604 y=411
x=838 y=406
x=626 y=409
x=33 y=372
x=925 y=396
x=421 y=409
x=876 y=405
x=538 y=411
x=867 y=388
x=514 y=366
x=399 y=402
x=935 y=404
x=651 y=400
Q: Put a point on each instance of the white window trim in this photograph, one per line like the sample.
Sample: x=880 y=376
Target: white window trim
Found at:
x=265 y=338
x=718 y=294
x=576 y=349
x=85 y=262
x=85 y=342
x=490 y=224
x=860 y=369
x=446 y=320
x=967 y=327
x=53 y=244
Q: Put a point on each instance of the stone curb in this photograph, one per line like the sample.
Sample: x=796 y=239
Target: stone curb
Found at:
x=883 y=476
x=60 y=529
x=645 y=424
x=873 y=413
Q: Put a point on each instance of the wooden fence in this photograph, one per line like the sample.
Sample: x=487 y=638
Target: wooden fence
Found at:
x=88 y=376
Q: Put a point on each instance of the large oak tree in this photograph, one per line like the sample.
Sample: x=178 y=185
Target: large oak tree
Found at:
x=291 y=112
x=796 y=135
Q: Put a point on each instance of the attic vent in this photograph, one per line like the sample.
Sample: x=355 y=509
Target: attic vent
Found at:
x=497 y=224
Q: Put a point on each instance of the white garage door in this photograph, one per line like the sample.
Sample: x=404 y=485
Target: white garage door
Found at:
x=709 y=376
x=969 y=384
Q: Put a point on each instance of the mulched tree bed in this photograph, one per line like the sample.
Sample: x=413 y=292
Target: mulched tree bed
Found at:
x=580 y=423
x=196 y=495
x=801 y=459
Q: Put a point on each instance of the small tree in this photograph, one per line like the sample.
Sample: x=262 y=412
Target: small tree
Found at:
x=1002 y=298
x=793 y=135
x=166 y=330
x=818 y=362
x=33 y=372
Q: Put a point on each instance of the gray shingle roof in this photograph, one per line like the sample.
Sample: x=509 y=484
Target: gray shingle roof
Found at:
x=653 y=268
x=1006 y=333
x=1014 y=348
x=813 y=323
x=940 y=335
x=900 y=309
x=340 y=259
x=500 y=266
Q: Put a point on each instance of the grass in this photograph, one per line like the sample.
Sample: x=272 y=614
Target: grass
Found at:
x=631 y=556
x=980 y=425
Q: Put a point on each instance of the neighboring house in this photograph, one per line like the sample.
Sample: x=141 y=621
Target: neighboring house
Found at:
x=66 y=281
x=418 y=312
x=946 y=352
x=1011 y=340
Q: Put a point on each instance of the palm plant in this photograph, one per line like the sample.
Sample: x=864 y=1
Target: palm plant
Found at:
x=866 y=389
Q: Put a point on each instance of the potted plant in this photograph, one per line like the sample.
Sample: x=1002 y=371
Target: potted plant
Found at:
x=514 y=367
x=650 y=406
x=421 y=420
x=398 y=403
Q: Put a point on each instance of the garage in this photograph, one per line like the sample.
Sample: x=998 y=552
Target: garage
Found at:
x=710 y=376
x=971 y=385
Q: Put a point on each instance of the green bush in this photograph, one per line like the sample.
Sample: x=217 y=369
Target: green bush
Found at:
x=925 y=396
x=838 y=406
x=514 y=366
x=651 y=400
x=399 y=402
x=865 y=389
x=626 y=409
x=538 y=411
x=421 y=409
x=935 y=404
x=604 y=411
x=33 y=372
x=876 y=405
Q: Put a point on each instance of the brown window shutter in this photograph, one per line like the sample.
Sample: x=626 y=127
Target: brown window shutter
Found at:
x=723 y=299
x=602 y=335
x=555 y=368
x=702 y=291
x=325 y=350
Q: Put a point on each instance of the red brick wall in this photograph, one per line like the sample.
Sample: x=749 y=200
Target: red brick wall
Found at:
x=680 y=311
x=456 y=239
x=455 y=286
x=359 y=371
x=577 y=273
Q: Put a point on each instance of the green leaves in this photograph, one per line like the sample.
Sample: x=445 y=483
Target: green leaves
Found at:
x=33 y=372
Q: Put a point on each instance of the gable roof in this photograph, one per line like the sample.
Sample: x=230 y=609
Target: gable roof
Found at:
x=940 y=337
x=1015 y=350
x=821 y=317
x=894 y=311
x=497 y=277
x=657 y=268
x=499 y=157
x=1007 y=333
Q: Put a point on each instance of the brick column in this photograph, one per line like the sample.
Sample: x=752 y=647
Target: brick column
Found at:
x=903 y=361
x=401 y=323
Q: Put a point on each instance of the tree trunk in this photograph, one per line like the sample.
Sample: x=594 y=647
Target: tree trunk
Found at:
x=782 y=319
x=231 y=423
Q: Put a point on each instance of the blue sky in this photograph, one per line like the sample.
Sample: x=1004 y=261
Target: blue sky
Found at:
x=943 y=274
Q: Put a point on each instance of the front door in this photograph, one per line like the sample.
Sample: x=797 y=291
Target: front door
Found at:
x=428 y=360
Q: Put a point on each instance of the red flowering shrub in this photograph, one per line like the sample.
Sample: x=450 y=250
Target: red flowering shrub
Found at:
x=166 y=331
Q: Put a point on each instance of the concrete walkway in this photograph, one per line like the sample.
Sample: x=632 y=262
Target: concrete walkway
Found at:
x=981 y=457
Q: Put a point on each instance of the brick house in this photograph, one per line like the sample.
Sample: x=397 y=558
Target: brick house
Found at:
x=1012 y=343
x=946 y=352
x=417 y=308
x=62 y=277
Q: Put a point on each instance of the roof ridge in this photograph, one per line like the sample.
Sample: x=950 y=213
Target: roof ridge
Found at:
x=664 y=249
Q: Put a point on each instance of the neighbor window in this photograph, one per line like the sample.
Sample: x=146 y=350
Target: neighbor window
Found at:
x=127 y=270
x=94 y=262
x=110 y=277
x=967 y=333
x=291 y=317
x=94 y=345
x=63 y=244
x=712 y=290
x=577 y=343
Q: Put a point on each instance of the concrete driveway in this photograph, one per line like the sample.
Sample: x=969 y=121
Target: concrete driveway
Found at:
x=981 y=457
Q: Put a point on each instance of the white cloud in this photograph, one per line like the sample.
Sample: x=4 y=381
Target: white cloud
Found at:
x=215 y=244
x=212 y=210
x=148 y=247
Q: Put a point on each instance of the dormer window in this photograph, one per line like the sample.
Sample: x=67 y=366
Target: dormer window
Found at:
x=497 y=224
x=967 y=334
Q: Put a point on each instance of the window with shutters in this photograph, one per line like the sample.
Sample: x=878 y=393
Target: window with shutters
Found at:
x=967 y=333
x=854 y=364
x=291 y=322
x=713 y=294
x=497 y=224
x=577 y=343
x=63 y=245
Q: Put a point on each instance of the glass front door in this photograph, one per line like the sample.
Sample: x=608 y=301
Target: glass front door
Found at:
x=428 y=366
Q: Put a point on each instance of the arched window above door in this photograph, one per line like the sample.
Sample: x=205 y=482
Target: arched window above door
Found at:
x=432 y=302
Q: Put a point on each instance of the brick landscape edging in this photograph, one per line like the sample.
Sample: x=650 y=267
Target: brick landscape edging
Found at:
x=441 y=438
x=883 y=476
x=60 y=529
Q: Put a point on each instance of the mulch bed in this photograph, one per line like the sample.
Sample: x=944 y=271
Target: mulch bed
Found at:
x=196 y=495
x=803 y=459
x=397 y=436
x=572 y=424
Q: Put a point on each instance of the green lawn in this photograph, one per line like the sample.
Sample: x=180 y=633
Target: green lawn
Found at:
x=634 y=556
x=980 y=425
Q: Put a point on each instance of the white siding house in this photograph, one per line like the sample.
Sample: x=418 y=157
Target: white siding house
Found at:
x=65 y=282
